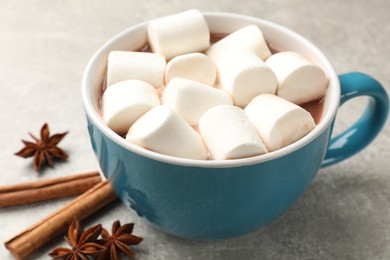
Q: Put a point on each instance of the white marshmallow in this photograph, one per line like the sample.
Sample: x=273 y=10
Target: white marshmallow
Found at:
x=278 y=121
x=299 y=80
x=124 y=65
x=124 y=102
x=249 y=38
x=190 y=99
x=228 y=134
x=244 y=76
x=178 y=34
x=194 y=66
x=162 y=130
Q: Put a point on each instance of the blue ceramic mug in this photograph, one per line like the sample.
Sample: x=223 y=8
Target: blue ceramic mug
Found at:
x=222 y=199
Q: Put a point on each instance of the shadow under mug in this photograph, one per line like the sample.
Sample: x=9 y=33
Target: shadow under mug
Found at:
x=206 y=200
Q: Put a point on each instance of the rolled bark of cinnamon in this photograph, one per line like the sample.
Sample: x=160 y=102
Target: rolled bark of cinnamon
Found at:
x=31 y=192
x=42 y=232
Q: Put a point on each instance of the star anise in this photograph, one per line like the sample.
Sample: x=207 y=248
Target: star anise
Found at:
x=83 y=243
x=118 y=241
x=44 y=149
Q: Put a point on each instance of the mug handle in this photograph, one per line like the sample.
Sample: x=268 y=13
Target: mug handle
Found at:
x=367 y=127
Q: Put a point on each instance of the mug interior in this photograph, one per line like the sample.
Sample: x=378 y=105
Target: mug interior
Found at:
x=278 y=37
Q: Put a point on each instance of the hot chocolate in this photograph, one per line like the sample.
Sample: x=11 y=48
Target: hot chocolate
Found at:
x=315 y=108
x=199 y=79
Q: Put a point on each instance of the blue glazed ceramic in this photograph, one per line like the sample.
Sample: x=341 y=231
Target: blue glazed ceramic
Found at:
x=222 y=199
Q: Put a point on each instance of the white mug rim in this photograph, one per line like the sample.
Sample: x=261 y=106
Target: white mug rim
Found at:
x=325 y=122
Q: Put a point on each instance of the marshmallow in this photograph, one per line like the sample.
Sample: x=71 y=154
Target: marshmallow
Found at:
x=124 y=65
x=299 y=80
x=194 y=66
x=228 y=134
x=249 y=38
x=124 y=102
x=278 y=121
x=178 y=34
x=244 y=76
x=162 y=130
x=190 y=99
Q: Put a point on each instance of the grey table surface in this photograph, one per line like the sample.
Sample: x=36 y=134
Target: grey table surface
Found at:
x=45 y=46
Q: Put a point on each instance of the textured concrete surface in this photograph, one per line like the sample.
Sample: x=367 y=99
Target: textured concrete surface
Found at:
x=44 y=47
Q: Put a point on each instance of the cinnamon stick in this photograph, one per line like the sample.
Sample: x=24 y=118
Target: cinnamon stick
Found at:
x=30 y=192
x=42 y=232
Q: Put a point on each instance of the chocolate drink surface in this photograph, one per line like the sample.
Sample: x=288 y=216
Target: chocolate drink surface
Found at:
x=315 y=108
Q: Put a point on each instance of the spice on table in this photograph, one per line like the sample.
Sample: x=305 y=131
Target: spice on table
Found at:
x=121 y=237
x=45 y=230
x=44 y=150
x=86 y=245
x=42 y=190
x=83 y=243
